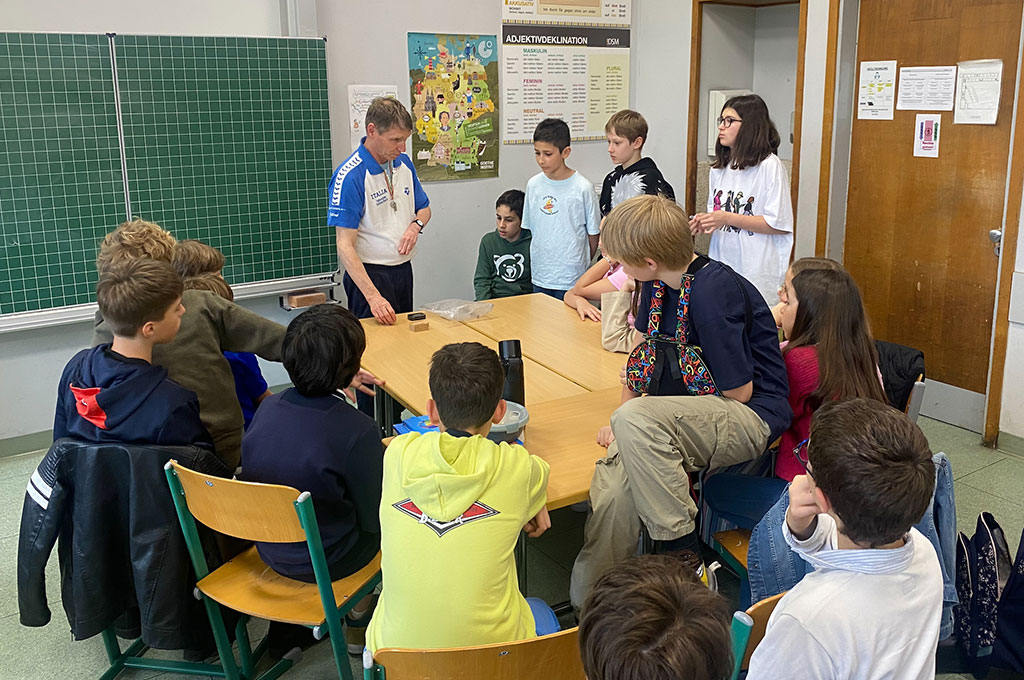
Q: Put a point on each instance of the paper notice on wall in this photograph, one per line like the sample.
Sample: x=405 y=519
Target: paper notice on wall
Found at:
x=359 y=98
x=578 y=74
x=588 y=12
x=977 y=91
x=926 y=135
x=877 y=92
x=926 y=88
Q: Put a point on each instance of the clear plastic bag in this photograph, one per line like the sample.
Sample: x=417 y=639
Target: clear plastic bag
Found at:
x=458 y=310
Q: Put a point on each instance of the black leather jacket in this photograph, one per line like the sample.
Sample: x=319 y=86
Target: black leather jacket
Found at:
x=122 y=554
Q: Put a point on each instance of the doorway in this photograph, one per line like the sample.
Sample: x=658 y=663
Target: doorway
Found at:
x=740 y=46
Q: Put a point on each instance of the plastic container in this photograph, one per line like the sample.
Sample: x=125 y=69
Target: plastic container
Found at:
x=511 y=427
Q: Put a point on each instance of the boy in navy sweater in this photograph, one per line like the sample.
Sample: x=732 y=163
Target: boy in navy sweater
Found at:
x=310 y=438
x=113 y=392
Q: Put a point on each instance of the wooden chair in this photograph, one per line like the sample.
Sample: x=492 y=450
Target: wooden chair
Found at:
x=551 y=657
x=759 y=614
x=732 y=546
x=272 y=514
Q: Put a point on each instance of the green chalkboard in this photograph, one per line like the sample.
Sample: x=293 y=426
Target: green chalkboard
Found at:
x=224 y=139
x=61 y=187
x=228 y=140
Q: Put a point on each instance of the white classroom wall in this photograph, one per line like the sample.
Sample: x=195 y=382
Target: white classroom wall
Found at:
x=727 y=60
x=776 y=39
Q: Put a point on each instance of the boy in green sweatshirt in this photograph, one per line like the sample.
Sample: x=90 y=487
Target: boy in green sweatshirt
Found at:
x=503 y=265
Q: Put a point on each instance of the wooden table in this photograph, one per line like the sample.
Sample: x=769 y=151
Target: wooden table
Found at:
x=401 y=358
x=553 y=335
x=564 y=433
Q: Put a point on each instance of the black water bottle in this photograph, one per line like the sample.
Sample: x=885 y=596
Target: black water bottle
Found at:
x=511 y=353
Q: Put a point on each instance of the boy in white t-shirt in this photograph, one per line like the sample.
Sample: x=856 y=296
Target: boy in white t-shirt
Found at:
x=561 y=211
x=871 y=608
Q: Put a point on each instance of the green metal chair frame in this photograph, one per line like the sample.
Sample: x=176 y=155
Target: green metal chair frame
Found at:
x=333 y=613
x=740 y=629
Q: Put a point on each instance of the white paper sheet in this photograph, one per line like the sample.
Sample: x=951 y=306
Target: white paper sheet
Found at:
x=359 y=98
x=977 y=91
x=877 y=91
x=926 y=135
x=926 y=88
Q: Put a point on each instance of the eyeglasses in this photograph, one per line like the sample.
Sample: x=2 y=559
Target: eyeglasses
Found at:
x=728 y=121
x=800 y=451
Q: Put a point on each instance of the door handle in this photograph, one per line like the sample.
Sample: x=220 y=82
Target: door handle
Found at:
x=996 y=237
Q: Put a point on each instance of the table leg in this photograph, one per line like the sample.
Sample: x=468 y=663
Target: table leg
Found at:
x=389 y=414
x=379 y=399
x=521 y=562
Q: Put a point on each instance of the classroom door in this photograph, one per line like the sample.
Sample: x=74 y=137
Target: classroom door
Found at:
x=917 y=229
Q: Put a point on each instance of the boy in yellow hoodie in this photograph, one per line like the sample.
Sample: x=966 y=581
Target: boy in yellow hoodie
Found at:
x=452 y=506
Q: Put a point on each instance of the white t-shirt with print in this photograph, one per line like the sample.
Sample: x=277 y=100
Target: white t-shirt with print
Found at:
x=759 y=190
x=561 y=214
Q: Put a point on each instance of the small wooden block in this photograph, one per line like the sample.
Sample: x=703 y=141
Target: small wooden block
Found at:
x=417 y=326
x=306 y=298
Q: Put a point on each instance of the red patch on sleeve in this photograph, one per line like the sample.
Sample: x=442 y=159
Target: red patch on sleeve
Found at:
x=85 y=402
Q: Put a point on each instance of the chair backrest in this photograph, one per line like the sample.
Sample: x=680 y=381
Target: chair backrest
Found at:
x=255 y=512
x=740 y=632
x=759 y=614
x=916 y=399
x=551 y=657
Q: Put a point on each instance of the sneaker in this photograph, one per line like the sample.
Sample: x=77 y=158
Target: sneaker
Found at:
x=355 y=629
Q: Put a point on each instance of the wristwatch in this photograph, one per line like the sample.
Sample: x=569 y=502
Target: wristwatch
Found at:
x=419 y=222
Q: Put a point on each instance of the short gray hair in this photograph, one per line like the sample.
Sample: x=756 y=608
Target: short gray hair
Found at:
x=386 y=113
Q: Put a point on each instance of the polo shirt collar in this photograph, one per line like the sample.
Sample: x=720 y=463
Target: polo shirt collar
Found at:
x=372 y=166
x=889 y=561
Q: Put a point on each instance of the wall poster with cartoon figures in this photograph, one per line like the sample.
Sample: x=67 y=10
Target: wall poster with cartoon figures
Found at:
x=454 y=95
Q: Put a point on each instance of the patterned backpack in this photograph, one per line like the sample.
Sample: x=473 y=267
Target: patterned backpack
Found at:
x=989 y=620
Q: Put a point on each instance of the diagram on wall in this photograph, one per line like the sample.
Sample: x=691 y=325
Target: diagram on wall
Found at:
x=454 y=95
x=565 y=59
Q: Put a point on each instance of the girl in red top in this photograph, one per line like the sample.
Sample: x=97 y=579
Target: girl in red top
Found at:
x=829 y=354
x=829 y=351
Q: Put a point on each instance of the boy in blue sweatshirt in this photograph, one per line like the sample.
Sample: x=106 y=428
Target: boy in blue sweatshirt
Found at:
x=113 y=392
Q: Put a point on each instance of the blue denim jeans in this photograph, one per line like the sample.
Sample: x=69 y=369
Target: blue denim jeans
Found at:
x=773 y=568
x=557 y=294
x=742 y=499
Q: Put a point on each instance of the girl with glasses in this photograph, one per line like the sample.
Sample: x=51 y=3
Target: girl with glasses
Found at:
x=752 y=229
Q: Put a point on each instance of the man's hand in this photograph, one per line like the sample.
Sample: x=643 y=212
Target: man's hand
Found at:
x=605 y=436
x=539 y=524
x=409 y=238
x=382 y=310
x=362 y=381
x=587 y=310
x=802 y=516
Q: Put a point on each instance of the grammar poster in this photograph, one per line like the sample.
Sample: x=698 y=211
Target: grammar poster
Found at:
x=565 y=59
x=454 y=95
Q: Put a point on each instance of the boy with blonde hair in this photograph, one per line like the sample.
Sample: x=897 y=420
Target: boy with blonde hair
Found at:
x=209 y=326
x=633 y=175
x=114 y=392
x=713 y=406
x=560 y=211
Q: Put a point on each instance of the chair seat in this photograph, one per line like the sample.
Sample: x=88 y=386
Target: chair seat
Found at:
x=735 y=543
x=247 y=584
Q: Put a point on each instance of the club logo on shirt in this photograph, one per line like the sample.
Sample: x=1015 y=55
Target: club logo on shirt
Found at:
x=549 y=205
x=407 y=191
x=379 y=197
x=476 y=511
x=510 y=266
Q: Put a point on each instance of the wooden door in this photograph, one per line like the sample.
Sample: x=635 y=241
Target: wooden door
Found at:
x=917 y=228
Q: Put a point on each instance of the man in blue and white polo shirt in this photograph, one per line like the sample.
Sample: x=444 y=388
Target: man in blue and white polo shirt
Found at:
x=379 y=208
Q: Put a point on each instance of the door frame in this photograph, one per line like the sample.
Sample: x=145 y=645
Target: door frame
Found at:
x=1012 y=213
x=693 y=125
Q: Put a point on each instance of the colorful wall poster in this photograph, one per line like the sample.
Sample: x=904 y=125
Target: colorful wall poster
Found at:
x=926 y=135
x=577 y=73
x=359 y=98
x=590 y=12
x=454 y=95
